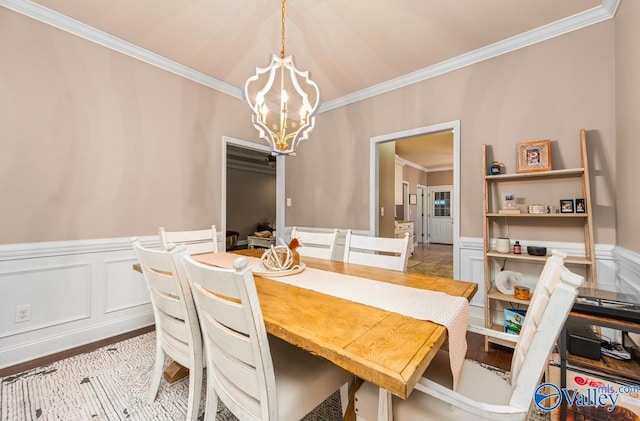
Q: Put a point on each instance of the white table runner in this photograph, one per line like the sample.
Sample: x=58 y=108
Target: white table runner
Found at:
x=438 y=307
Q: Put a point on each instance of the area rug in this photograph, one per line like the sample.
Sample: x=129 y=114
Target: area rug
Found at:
x=112 y=383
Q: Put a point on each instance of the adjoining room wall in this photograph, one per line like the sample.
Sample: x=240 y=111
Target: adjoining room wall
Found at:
x=440 y=178
x=253 y=200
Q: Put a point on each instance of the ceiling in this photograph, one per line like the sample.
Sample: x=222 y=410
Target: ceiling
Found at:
x=430 y=152
x=353 y=49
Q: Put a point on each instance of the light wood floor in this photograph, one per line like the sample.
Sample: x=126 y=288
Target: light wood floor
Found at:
x=435 y=259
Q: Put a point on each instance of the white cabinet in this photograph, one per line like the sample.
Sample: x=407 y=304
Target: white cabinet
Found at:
x=403 y=227
x=399 y=197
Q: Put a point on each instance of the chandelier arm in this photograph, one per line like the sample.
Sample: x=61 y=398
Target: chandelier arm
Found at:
x=296 y=84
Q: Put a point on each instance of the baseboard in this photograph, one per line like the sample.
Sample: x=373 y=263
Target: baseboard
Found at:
x=476 y=316
x=47 y=345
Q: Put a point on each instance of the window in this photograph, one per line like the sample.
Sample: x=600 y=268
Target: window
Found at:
x=442 y=203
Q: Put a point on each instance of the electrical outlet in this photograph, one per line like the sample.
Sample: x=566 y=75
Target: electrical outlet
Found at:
x=23 y=313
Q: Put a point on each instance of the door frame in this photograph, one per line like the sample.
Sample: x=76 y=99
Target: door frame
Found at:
x=405 y=200
x=280 y=171
x=374 y=178
x=422 y=230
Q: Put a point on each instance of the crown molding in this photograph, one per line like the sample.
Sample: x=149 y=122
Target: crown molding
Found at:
x=605 y=11
x=75 y=27
x=403 y=161
x=611 y=6
x=406 y=162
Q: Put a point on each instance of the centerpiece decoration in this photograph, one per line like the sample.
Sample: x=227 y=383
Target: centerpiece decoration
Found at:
x=283 y=259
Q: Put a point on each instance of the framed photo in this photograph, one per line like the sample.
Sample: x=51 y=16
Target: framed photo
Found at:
x=533 y=156
x=566 y=206
x=413 y=199
x=580 y=206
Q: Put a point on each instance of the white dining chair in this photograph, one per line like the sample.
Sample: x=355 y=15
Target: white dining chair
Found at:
x=177 y=329
x=257 y=376
x=320 y=244
x=481 y=393
x=197 y=241
x=385 y=253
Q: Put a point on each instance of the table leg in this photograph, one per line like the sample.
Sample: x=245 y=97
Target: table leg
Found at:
x=175 y=372
x=384 y=405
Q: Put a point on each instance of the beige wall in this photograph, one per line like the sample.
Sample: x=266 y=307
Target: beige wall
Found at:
x=549 y=90
x=96 y=144
x=627 y=124
x=387 y=153
x=440 y=178
x=251 y=198
x=414 y=176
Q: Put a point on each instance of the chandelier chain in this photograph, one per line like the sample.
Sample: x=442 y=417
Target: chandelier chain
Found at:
x=282 y=51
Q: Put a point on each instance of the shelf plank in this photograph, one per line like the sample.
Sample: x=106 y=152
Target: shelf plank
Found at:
x=579 y=260
x=494 y=294
x=628 y=369
x=570 y=172
x=611 y=322
x=538 y=215
x=499 y=328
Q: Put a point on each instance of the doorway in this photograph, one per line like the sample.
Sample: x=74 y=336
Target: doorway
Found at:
x=257 y=159
x=440 y=218
x=375 y=209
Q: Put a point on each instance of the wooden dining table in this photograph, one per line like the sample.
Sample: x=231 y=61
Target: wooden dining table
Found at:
x=385 y=348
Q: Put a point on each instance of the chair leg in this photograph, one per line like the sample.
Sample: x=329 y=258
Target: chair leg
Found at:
x=195 y=390
x=344 y=397
x=384 y=405
x=211 y=406
x=158 y=366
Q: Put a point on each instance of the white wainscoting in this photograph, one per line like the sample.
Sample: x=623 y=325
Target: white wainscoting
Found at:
x=78 y=291
x=84 y=291
x=628 y=271
x=608 y=259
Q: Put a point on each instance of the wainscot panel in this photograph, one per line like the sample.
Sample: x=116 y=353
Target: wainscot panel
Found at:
x=76 y=292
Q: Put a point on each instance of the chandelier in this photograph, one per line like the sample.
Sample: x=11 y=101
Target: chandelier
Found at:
x=283 y=101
